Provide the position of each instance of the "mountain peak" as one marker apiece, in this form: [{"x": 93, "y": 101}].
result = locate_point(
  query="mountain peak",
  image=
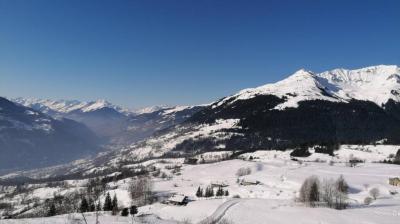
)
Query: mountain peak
[
  {"x": 303, "y": 72},
  {"x": 375, "y": 83},
  {"x": 298, "y": 76},
  {"x": 95, "y": 105},
  {"x": 300, "y": 86}
]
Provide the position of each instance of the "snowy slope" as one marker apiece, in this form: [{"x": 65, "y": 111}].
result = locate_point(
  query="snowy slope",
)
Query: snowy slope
[
  {"x": 376, "y": 83},
  {"x": 150, "y": 109},
  {"x": 271, "y": 201},
  {"x": 301, "y": 86}
]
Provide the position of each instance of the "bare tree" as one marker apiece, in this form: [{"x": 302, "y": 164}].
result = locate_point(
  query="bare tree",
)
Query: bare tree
[
  {"x": 243, "y": 171},
  {"x": 374, "y": 192},
  {"x": 328, "y": 192},
  {"x": 367, "y": 200},
  {"x": 140, "y": 190},
  {"x": 309, "y": 191},
  {"x": 341, "y": 193},
  {"x": 341, "y": 185}
]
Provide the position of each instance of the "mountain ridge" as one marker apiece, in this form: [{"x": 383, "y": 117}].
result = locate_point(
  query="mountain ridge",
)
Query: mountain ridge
[{"x": 334, "y": 85}]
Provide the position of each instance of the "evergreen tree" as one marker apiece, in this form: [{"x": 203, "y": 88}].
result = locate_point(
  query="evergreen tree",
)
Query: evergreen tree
[
  {"x": 220, "y": 192},
  {"x": 199, "y": 192},
  {"x": 226, "y": 193},
  {"x": 107, "y": 203},
  {"x": 98, "y": 206},
  {"x": 92, "y": 206},
  {"x": 209, "y": 192},
  {"x": 52, "y": 210},
  {"x": 84, "y": 205},
  {"x": 133, "y": 210},
  {"x": 125, "y": 212},
  {"x": 114, "y": 205},
  {"x": 206, "y": 192}
]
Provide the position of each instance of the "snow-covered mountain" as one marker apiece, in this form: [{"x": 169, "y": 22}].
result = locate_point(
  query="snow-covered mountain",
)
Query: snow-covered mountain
[
  {"x": 103, "y": 118},
  {"x": 301, "y": 86},
  {"x": 377, "y": 84},
  {"x": 115, "y": 125},
  {"x": 53, "y": 107},
  {"x": 150, "y": 109},
  {"x": 305, "y": 108},
  {"x": 339, "y": 106},
  {"x": 29, "y": 138}
]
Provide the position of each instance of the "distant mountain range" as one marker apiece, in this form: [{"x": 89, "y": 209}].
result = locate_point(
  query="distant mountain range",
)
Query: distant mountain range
[
  {"x": 113, "y": 124},
  {"x": 334, "y": 107},
  {"x": 29, "y": 138},
  {"x": 37, "y": 133}
]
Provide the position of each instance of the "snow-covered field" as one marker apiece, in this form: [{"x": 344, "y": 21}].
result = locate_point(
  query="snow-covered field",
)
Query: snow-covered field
[{"x": 271, "y": 201}]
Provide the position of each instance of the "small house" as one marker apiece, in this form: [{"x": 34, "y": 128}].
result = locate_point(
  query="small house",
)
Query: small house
[
  {"x": 178, "y": 199},
  {"x": 246, "y": 182},
  {"x": 191, "y": 160},
  {"x": 394, "y": 181}
]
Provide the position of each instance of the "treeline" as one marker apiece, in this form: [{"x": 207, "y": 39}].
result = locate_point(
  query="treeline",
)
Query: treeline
[
  {"x": 312, "y": 123},
  {"x": 209, "y": 192}
]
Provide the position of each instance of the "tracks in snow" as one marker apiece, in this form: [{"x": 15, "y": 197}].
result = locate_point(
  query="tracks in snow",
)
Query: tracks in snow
[{"x": 220, "y": 212}]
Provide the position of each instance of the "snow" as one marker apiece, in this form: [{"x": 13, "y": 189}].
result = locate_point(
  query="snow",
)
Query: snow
[
  {"x": 271, "y": 201},
  {"x": 377, "y": 84},
  {"x": 177, "y": 198},
  {"x": 175, "y": 109},
  {"x": 280, "y": 178},
  {"x": 66, "y": 106},
  {"x": 43, "y": 124},
  {"x": 278, "y": 212},
  {"x": 300, "y": 86},
  {"x": 90, "y": 217},
  {"x": 45, "y": 193},
  {"x": 147, "y": 110},
  {"x": 159, "y": 145}
]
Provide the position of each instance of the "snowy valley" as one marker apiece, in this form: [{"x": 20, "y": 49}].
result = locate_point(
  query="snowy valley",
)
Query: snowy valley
[
  {"x": 312, "y": 148},
  {"x": 268, "y": 192}
]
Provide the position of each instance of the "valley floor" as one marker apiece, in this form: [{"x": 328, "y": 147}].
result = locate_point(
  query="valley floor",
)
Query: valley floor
[{"x": 271, "y": 201}]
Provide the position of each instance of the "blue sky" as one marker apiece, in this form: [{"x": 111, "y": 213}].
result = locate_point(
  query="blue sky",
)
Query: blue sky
[{"x": 142, "y": 53}]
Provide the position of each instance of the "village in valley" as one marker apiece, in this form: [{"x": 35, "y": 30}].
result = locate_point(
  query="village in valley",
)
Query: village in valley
[{"x": 213, "y": 186}]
